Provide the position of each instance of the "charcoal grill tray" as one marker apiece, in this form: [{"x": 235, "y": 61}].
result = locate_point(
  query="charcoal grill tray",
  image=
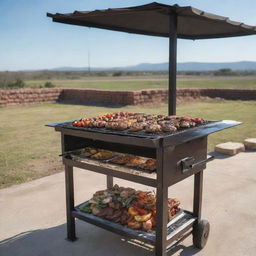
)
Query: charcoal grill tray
[{"x": 139, "y": 134}]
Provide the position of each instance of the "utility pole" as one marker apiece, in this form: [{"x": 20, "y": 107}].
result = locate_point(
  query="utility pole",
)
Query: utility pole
[{"x": 89, "y": 66}]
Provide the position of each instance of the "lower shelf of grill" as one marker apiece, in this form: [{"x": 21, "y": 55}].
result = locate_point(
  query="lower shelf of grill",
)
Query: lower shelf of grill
[
  {"x": 181, "y": 223},
  {"x": 145, "y": 178}
]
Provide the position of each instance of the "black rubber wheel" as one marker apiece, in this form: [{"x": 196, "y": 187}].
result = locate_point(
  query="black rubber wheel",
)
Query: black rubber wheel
[{"x": 201, "y": 232}]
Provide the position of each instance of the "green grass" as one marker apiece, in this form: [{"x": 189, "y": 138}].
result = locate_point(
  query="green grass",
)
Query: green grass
[
  {"x": 104, "y": 84},
  {"x": 237, "y": 83},
  {"x": 140, "y": 83},
  {"x": 26, "y": 144}
]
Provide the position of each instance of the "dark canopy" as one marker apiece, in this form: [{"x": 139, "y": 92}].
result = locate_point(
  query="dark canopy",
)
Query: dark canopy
[{"x": 153, "y": 19}]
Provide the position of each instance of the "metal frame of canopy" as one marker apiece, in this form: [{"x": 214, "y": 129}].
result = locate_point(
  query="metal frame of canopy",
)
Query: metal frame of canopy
[{"x": 203, "y": 26}]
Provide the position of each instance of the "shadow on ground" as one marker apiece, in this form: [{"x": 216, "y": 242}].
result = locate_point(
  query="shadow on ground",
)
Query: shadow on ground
[{"x": 92, "y": 241}]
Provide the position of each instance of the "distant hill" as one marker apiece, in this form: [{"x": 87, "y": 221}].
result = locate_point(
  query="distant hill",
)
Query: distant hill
[{"x": 183, "y": 66}]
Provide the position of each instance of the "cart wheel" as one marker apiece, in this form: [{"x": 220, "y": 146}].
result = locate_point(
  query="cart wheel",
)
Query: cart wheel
[{"x": 201, "y": 232}]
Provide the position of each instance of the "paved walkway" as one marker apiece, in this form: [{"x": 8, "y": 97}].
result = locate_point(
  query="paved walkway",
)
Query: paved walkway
[{"x": 32, "y": 215}]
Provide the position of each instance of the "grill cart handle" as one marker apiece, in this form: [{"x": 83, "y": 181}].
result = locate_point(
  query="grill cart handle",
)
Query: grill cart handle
[
  {"x": 67, "y": 154},
  {"x": 188, "y": 163}
]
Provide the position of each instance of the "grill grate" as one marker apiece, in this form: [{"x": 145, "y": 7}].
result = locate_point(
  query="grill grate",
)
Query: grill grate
[{"x": 139, "y": 134}]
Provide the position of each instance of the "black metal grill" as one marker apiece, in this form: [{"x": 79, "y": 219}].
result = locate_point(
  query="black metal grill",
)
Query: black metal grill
[{"x": 178, "y": 155}]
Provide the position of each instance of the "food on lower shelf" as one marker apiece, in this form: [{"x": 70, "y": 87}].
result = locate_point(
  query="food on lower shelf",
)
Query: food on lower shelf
[
  {"x": 122, "y": 159},
  {"x": 88, "y": 151},
  {"x": 135, "y": 161},
  {"x": 103, "y": 155},
  {"x": 126, "y": 206},
  {"x": 150, "y": 165},
  {"x": 173, "y": 205},
  {"x": 135, "y": 122},
  {"x": 129, "y": 160}
]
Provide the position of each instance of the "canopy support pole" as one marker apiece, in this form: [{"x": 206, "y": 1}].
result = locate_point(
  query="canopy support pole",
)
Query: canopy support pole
[{"x": 172, "y": 64}]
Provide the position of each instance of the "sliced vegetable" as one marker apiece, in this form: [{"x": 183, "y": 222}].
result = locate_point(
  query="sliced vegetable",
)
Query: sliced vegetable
[
  {"x": 78, "y": 124},
  {"x": 101, "y": 205},
  {"x": 107, "y": 200},
  {"x": 143, "y": 218},
  {"x": 132, "y": 211},
  {"x": 86, "y": 208},
  {"x": 140, "y": 210}
]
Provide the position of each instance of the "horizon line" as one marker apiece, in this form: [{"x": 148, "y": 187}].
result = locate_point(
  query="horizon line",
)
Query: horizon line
[{"x": 114, "y": 67}]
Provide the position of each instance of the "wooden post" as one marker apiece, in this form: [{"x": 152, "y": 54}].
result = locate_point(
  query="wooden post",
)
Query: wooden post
[{"x": 172, "y": 64}]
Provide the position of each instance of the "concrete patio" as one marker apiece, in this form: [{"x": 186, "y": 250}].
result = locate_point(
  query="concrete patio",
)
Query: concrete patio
[{"x": 32, "y": 216}]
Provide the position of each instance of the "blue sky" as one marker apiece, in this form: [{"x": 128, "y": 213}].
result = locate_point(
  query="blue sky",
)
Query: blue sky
[{"x": 30, "y": 40}]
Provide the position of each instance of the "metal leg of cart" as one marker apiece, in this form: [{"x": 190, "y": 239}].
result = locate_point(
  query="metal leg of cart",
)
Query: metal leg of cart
[
  {"x": 69, "y": 183},
  {"x": 161, "y": 206},
  {"x": 201, "y": 228},
  {"x": 198, "y": 191},
  {"x": 109, "y": 181}
]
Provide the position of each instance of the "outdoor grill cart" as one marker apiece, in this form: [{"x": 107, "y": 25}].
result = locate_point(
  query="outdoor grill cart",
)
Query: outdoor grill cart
[{"x": 179, "y": 154}]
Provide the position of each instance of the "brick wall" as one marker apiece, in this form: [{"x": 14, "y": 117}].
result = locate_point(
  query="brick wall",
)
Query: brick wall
[
  {"x": 104, "y": 97},
  {"x": 28, "y": 96},
  {"x": 228, "y": 94},
  {"x": 149, "y": 96},
  {"x": 97, "y": 97}
]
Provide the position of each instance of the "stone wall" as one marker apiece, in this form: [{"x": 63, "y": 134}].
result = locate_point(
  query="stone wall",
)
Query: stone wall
[
  {"x": 228, "y": 94},
  {"x": 29, "y": 96},
  {"x": 97, "y": 97},
  {"x": 107, "y": 98}
]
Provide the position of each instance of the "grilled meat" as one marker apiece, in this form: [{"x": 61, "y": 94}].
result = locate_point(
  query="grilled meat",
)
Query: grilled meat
[
  {"x": 184, "y": 124},
  {"x": 135, "y": 127},
  {"x": 103, "y": 155},
  {"x": 122, "y": 159},
  {"x": 135, "y": 161},
  {"x": 135, "y": 122},
  {"x": 168, "y": 127},
  {"x": 150, "y": 165},
  {"x": 152, "y": 128}
]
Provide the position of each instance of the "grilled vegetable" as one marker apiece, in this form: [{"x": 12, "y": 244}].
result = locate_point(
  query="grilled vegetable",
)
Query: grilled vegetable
[
  {"x": 140, "y": 210},
  {"x": 86, "y": 208},
  {"x": 136, "y": 209},
  {"x": 143, "y": 218},
  {"x": 132, "y": 211}
]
